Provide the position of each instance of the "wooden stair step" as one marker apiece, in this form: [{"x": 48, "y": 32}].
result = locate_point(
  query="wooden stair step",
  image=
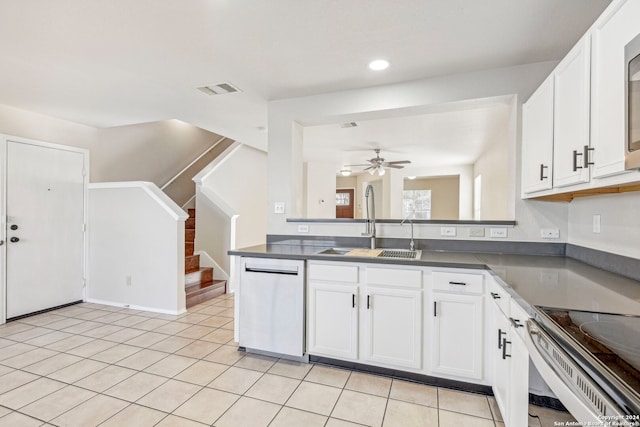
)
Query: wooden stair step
[
  {"x": 191, "y": 212},
  {"x": 188, "y": 249},
  {"x": 190, "y": 235},
  {"x": 202, "y": 292},
  {"x": 190, "y": 223},
  {"x": 202, "y": 275},
  {"x": 191, "y": 263}
]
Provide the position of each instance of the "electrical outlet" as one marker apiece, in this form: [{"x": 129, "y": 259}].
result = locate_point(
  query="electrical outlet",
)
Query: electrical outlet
[
  {"x": 278, "y": 207},
  {"x": 128, "y": 280},
  {"x": 303, "y": 229},
  {"x": 498, "y": 232},
  {"x": 448, "y": 231},
  {"x": 550, "y": 233},
  {"x": 596, "y": 223},
  {"x": 476, "y": 232}
]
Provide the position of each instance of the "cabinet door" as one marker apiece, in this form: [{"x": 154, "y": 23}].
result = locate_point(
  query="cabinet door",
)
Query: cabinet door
[
  {"x": 457, "y": 335},
  {"x": 394, "y": 326},
  {"x": 537, "y": 139},
  {"x": 333, "y": 320},
  {"x": 611, "y": 33},
  {"x": 571, "y": 116},
  {"x": 501, "y": 363},
  {"x": 518, "y": 395}
]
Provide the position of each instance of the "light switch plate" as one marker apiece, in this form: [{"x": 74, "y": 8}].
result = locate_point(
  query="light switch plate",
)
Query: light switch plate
[
  {"x": 303, "y": 228},
  {"x": 550, "y": 233},
  {"x": 278, "y": 207},
  {"x": 448, "y": 231},
  {"x": 596, "y": 223},
  {"x": 498, "y": 232},
  {"x": 476, "y": 232}
]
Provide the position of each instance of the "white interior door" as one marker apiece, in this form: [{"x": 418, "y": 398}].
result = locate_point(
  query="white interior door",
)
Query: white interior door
[{"x": 45, "y": 227}]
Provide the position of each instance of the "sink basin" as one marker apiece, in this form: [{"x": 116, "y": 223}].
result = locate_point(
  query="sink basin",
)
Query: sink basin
[
  {"x": 386, "y": 253},
  {"x": 335, "y": 251},
  {"x": 401, "y": 254}
]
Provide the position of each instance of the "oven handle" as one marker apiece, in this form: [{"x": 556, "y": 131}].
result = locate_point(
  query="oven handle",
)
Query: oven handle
[{"x": 536, "y": 333}]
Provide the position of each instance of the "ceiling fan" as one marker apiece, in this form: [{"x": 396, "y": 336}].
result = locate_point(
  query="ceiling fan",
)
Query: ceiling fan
[{"x": 378, "y": 164}]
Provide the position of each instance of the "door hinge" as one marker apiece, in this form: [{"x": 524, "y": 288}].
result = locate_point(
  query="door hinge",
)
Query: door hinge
[{"x": 84, "y": 282}]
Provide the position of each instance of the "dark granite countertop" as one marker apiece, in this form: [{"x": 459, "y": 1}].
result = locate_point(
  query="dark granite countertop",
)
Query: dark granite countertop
[{"x": 553, "y": 281}]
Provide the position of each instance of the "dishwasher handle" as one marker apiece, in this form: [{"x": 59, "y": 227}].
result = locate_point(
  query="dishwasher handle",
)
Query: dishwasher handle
[{"x": 267, "y": 270}]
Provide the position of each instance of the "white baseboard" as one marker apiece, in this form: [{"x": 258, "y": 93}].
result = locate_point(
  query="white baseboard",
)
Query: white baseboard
[{"x": 137, "y": 307}]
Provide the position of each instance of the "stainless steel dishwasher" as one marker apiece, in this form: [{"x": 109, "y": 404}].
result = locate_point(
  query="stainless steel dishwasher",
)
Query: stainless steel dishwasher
[{"x": 271, "y": 306}]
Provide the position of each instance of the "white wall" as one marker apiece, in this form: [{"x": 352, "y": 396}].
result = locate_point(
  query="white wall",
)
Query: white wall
[
  {"x": 619, "y": 230},
  {"x": 495, "y": 181},
  {"x": 135, "y": 231},
  {"x": 320, "y": 190},
  {"x": 285, "y": 160},
  {"x": 233, "y": 185}
]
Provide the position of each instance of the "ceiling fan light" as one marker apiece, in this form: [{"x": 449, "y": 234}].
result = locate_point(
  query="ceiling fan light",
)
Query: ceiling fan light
[
  {"x": 381, "y": 171},
  {"x": 372, "y": 171},
  {"x": 345, "y": 172},
  {"x": 411, "y": 177}
]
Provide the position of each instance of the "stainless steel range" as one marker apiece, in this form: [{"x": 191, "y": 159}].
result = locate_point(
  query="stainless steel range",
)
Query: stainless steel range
[{"x": 591, "y": 361}]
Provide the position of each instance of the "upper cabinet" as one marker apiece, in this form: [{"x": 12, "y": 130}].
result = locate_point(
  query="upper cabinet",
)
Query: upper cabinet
[
  {"x": 571, "y": 150},
  {"x": 573, "y": 126},
  {"x": 610, "y": 34},
  {"x": 537, "y": 139}
]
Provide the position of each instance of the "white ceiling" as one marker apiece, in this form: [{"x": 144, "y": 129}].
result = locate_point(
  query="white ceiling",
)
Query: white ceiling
[{"x": 116, "y": 62}]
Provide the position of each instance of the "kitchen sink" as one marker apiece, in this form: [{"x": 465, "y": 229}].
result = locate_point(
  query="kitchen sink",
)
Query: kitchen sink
[
  {"x": 401, "y": 254},
  {"x": 385, "y": 253},
  {"x": 335, "y": 251}
]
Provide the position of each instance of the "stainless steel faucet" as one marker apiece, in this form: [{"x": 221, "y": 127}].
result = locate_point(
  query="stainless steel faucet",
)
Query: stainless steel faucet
[
  {"x": 412, "y": 244},
  {"x": 370, "y": 230}
]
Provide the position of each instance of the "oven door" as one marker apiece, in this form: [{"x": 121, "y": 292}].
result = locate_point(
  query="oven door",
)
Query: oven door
[{"x": 586, "y": 401}]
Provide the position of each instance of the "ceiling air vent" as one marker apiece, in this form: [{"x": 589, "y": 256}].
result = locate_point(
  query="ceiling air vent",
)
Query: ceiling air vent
[
  {"x": 218, "y": 89},
  {"x": 348, "y": 125}
]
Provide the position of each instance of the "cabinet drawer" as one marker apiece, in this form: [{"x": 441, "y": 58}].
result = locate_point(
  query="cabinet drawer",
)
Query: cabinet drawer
[
  {"x": 458, "y": 282},
  {"x": 394, "y": 277},
  {"x": 333, "y": 273}
]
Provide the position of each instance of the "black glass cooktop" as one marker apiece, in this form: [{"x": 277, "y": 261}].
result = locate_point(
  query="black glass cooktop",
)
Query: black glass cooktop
[{"x": 613, "y": 339}]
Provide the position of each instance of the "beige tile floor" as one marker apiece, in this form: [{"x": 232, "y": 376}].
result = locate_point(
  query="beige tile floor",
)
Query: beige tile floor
[{"x": 89, "y": 365}]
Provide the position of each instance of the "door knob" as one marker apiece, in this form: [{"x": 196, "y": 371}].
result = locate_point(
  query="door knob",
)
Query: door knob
[
  {"x": 14, "y": 239},
  {"x": 14, "y": 227}
]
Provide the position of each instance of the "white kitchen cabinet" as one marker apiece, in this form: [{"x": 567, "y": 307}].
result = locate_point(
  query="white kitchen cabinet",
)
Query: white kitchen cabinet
[
  {"x": 332, "y": 320},
  {"x": 332, "y": 309},
  {"x": 537, "y": 139},
  {"x": 457, "y": 343},
  {"x": 571, "y": 152},
  {"x": 393, "y": 331},
  {"x": 511, "y": 360},
  {"x": 611, "y": 32}
]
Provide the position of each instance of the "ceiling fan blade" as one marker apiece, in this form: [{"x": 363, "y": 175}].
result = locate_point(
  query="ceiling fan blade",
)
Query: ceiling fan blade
[
  {"x": 399, "y": 162},
  {"x": 370, "y": 167},
  {"x": 367, "y": 164},
  {"x": 394, "y": 166}
]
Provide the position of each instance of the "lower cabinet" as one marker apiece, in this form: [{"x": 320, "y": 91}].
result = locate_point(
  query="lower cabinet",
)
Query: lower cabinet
[
  {"x": 332, "y": 320},
  {"x": 349, "y": 320},
  {"x": 511, "y": 367},
  {"x": 393, "y": 328},
  {"x": 458, "y": 340}
]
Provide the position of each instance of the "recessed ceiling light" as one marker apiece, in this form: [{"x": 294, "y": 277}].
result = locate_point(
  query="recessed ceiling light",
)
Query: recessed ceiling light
[
  {"x": 411, "y": 177},
  {"x": 345, "y": 172},
  {"x": 379, "y": 64}
]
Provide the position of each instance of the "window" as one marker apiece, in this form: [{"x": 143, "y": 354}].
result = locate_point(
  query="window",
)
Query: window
[
  {"x": 416, "y": 204},
  {"x": 343, "y": 199}
]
